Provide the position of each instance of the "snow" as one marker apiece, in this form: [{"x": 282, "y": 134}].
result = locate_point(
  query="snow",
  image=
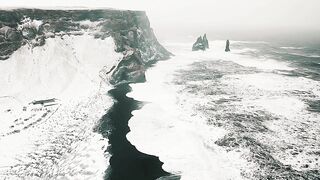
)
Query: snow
[
  {"x": 28, "y": 23},
  {"x": 88, "y": 23},
  {"x": 293, "y": 48},
  {"x": 55, "y": 141},
  {"x": 64, "y": 68}
]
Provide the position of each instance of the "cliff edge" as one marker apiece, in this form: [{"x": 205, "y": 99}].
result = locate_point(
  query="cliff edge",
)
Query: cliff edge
[{"x": 131, "y": 31}]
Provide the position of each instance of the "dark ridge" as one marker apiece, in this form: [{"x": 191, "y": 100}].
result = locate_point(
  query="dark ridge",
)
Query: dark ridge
[{"x": 126, "y": 162}]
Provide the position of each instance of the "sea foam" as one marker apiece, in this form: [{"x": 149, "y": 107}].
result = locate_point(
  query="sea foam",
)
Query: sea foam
[{"x": 173, "y": 124}]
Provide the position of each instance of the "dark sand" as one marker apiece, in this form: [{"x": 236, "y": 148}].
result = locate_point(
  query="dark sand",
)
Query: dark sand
[{"x": 126, "y": 162}]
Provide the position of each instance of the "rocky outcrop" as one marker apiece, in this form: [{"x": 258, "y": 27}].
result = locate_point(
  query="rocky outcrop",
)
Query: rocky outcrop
[
  {"x": 205, "y": 41},
  {"x": 10, "y": 40},
  {"x": 198, "y": 45},
  {"x": 227, "y": 46},
  {"x": 201, "y": 44},
  {"x": 130, "y": 30},
  {"x": 131, "y": 69}
]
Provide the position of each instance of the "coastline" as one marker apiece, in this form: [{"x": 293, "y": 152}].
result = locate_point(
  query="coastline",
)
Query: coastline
[{"x": 126, "y": 161}]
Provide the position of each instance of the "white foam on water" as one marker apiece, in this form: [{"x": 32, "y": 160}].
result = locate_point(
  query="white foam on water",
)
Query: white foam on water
[
  {"x": 170, "y": 127},
  {"x": 306, "y": 55},
  {"x": 216, "y": 51},
  {"x": 274, "y": 82},
  {"x": 294, "y": 48},
  {"x": 250, "y": 42},
  {"x": 288, "y": 107},
  {"x": 178, "y": 135},
  {"x": 264, "y": 63},
  {"x": 291, "y": 125}
]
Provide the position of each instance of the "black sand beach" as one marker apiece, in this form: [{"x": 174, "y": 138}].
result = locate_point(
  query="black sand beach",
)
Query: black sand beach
[{"x": 126, "y": 161}]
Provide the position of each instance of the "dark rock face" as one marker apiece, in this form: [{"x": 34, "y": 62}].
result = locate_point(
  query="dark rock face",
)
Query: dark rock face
[
  {"x": 198, "y": 45},
  {"x": 201, "y": 44},
  {"x": 205, "y": 41},
  {"x": 13, "y": 35},
  {"x": 10, "y": 40},
  {"x": 227, "y": 46},
  {"x": 130, "y": 69},
  {"x": 130, "y": 30}
]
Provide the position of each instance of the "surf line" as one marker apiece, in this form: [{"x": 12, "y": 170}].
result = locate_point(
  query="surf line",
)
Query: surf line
[{"x": 126, "y": 162}]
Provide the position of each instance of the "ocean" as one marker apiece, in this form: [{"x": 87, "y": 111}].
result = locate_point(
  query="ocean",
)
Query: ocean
[{"x": 252, "y": 113}]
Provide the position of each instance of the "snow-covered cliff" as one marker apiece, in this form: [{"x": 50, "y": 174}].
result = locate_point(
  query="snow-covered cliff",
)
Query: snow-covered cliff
[
  {"x": 130, "y": 31},
  {"x": 66, "y": 53},
  {"x": 55, "y": 69}
]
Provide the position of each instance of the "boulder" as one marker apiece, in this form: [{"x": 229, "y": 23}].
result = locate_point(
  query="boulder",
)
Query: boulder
[{"x": 227, "y": 46}]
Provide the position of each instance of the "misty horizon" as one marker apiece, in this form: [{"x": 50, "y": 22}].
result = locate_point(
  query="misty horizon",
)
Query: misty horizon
[
  {"x": 279, "y": 36},
  {"x": 282, "y": 20}
]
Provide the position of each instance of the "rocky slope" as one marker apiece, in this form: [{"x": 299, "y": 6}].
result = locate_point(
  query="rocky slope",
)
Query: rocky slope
[{"x": 130, "y": 30}]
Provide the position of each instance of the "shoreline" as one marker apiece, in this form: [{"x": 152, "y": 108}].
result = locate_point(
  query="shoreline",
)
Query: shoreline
[{"x": 126, "y": 161}]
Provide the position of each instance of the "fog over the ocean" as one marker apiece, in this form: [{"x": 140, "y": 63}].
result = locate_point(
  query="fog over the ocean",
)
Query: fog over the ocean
[{"x": 234, "y": 19}]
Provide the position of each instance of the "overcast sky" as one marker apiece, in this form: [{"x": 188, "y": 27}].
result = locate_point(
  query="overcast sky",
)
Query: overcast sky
[{"x": 220, "y": 17}]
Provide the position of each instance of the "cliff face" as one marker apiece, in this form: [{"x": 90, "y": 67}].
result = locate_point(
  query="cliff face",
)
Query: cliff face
[{"x": 130, "y": 30}]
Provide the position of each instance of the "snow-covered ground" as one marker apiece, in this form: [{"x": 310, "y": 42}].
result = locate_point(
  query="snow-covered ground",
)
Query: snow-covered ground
[{"x": 55, "y": 141}]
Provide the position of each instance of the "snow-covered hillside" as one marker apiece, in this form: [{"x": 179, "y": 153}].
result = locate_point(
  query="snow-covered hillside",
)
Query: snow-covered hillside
[
  {"x": 65, "y": 69},
  {"x": 55, "y": 71}
]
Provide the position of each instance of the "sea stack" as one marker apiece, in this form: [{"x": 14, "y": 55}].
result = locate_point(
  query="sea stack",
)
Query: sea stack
[
  {"x": 201, "y": 44},
  {"x": 227, "y": 46},
  {"x": 205, "y": 41}
]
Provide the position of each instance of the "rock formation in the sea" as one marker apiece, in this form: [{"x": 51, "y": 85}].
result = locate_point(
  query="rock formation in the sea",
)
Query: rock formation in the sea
[
  {"x": 131, "y": 31},
  {"x": 201, "y": 44},
  {"x": 205, "y": 41},
  {"x": 227, "y": 46},
  {"x": 198, "y": 45}
]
